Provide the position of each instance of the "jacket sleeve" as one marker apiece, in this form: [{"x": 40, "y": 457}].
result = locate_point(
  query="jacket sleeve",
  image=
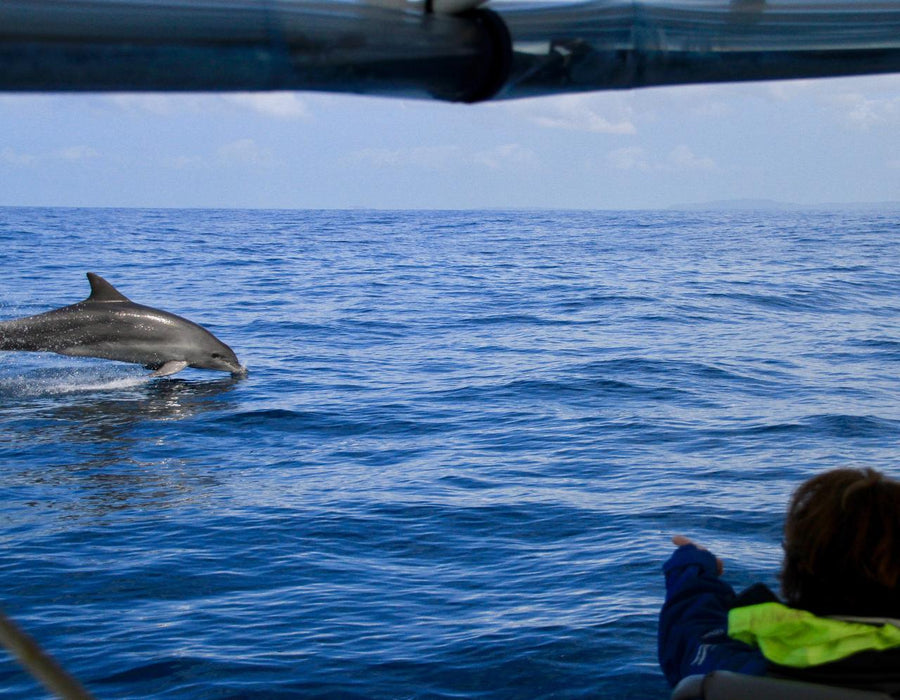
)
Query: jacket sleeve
[{"x": 693, "y": 623}]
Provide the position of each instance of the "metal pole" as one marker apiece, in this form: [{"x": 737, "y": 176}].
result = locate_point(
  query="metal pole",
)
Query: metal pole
[{"x": 38, "y": 663}]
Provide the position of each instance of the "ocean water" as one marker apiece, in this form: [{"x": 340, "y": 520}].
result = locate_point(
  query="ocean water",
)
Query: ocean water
[{"x": 463, "y": 445}]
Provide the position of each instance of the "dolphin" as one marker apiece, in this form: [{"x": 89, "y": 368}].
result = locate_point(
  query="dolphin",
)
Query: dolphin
[{"x": 109, "y": 325}]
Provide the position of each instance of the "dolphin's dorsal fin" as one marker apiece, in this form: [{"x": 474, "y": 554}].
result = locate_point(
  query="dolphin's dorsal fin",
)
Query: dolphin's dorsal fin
[{"x": 101, "y": 290}]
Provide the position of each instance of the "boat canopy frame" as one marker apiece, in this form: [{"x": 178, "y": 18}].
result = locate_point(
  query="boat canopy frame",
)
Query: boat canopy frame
[{"x": 512, "y": 50}]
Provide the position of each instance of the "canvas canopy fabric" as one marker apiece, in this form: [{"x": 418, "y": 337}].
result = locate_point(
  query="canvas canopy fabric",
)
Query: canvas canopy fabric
[{"x": 508, "y": 50}]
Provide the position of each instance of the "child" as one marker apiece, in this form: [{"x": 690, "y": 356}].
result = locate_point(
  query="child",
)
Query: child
[{"x": 840, "y": 578}]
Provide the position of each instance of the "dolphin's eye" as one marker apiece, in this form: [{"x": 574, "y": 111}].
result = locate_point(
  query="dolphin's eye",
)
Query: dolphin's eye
[{"x": 217, "y": 356}]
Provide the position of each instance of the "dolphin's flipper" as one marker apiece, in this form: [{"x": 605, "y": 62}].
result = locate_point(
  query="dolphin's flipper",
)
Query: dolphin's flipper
[
  {"x": 101, "y": 290},
  {"x": 169, "y": 368}
]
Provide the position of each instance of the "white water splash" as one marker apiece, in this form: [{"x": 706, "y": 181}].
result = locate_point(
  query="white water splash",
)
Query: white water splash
[{"x": 59, "y": 381}]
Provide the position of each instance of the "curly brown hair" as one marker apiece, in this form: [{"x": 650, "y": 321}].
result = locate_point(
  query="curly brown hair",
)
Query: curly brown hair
[{"x": 842, "y": 545}]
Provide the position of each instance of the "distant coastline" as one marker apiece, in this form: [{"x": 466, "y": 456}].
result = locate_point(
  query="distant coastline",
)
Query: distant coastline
[
  {"x": 775, "y": 205},
  {"x": 734, "y": 205}
]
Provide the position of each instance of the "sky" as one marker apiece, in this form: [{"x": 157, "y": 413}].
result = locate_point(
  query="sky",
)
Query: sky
[{"x": 808, "y": 142}]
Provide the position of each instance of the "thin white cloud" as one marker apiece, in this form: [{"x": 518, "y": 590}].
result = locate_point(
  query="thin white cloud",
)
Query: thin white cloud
[
  {"x": 862, "y": 112},
  {"x": 510, "y": 155},
  {"x": 183, "y": 162},
  {"x": 281, "y": 105},
  {"x": 277, "y": 105},
  {"x": 245, "y": 152},
  {"x": 10, "y": 156},
  {"x": 599, "y": 114},
  {"x": 788, "y": 90},
  {"x": 423, "y": 157},
  {"x": 706, "y": 101},
  {"x": 861, "y": 103},
  {"x": 437, "y": 158},
  {"x": 21, "y": 101},
  {"x": 629, "y": 158},
  {"x": 824, "y": 89},
  {"x": 77, "y": 153},
  {"x": 69, "y": 154},
  {"x": 242, "y": 153},
  {"x": 157, "y": 104},
  {"x": 683, "y": 158},
  {"x": 680, "y": 159}
]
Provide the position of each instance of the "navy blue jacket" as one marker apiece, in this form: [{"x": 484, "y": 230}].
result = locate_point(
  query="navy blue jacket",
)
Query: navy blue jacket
[{"x": 693, "y": 623}]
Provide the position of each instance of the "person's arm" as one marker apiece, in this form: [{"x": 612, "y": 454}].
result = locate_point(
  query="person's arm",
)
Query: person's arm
[{"x": 693, "y": 623}]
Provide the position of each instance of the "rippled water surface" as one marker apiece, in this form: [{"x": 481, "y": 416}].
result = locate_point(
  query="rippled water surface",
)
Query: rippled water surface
[{"x": 461, "y": 450}]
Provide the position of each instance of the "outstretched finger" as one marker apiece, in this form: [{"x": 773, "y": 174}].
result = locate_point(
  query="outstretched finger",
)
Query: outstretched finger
[{"x": 681, "y": 540}]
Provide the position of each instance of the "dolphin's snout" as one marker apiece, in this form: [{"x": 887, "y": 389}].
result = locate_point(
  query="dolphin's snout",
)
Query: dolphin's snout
[{"x": 240, "y": 372}]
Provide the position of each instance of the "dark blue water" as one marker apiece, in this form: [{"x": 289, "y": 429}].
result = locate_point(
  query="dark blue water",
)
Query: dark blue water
[{"x": 464, "y": 442}]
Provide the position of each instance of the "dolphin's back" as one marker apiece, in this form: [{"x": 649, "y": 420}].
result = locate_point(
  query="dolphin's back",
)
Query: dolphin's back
[
  {"x": 65, "y": 327},
  {"x": 41, "y": 333},
  {"x": 122, "y": 331},
  {"x": 12, "y": 339}
]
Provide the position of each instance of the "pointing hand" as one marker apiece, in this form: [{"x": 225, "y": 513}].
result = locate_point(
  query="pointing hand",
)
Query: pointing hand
[{"x": 681, "y": 540}]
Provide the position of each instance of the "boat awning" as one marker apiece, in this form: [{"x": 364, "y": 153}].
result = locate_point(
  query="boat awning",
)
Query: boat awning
[{"x": 509, "y": 50}]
